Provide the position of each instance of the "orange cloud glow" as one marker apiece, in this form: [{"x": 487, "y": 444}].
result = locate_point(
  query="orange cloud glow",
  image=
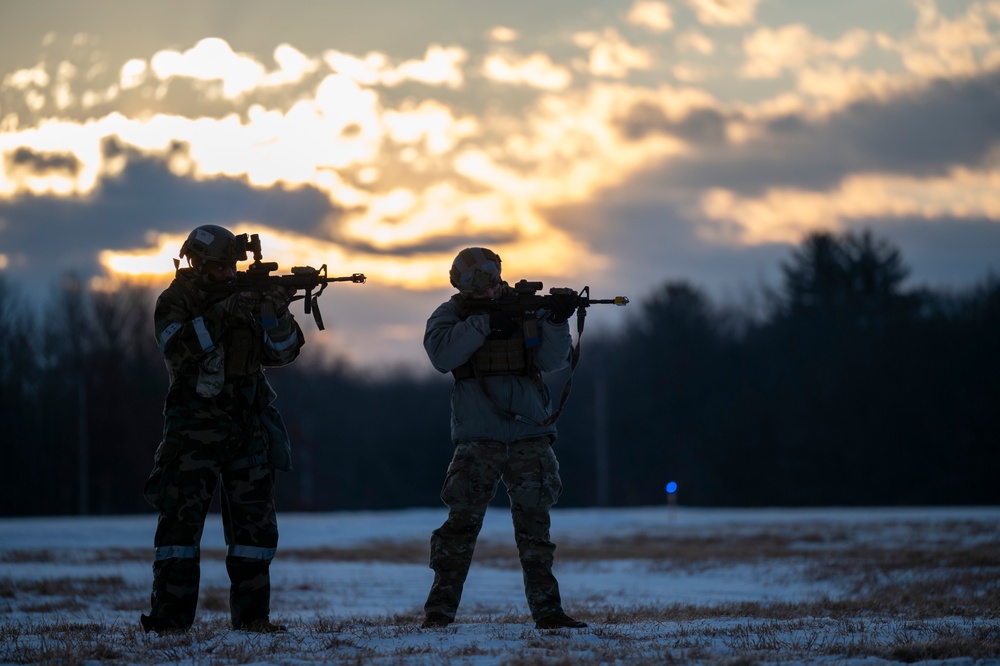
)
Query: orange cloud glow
[
  {"x": 651, "y": 14},
  {"x": 785, "y": 215},
  {"x": 536, "y": 70},
  {"x": 724, "y": 12}
]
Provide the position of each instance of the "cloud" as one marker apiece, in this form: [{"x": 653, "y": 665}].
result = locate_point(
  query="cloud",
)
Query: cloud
[
  {"x": 34, "y": 163},
  {"x": 364, "y": 71},
  {"x": 689, "y": 73},
  {"x": 833, "y": 86},
  {"x": 652, "y": 15},
  {"x": 906, "y": 133},
  {"x": 695, "y": 41},
  {"x": 431, "y": 124},
  {"x": 610, "y": 55},
  {"x": 213, "y": 60},
  {"x": 503, "y": 34},
  {"x": 210, "y": 59},
  {"x": 338, "y": 128},
  {"x": 133, "y": 73},
  {"x": 902, "y": 135},
  {"x": 940, "y": 46},
  {"x": 786, "y": 215},
  {"x": 31, "y": 77},
  {"x": 790, "y": 48},
  {"x": 43, "y": 162},
  {"x": 31, "y": 83},
  {"x": 293, "y": 66},
  {"x": 62, "y": 233},
  {"x": 536, "y": 70},
  {"x": 724, "y": 12},
  {"x": 697, "y": 126},
  {"x": 569, "y": 146},
  {"x": 441, "y": 66},
  {"x": 62, "y": 93}
]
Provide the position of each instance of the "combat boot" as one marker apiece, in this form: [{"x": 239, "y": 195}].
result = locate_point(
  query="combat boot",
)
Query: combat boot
[
  {"x": 160, "y": 627},
  {"x": 435, "y": 620},
  {"x": 559, "y": 621},
  {"x": 263, "y": 626}
]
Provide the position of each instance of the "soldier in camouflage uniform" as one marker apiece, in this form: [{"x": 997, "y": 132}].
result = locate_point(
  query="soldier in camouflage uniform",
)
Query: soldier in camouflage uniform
[
  {"x": 498, "y": 427},
  {"x": 219, "y": 424}
]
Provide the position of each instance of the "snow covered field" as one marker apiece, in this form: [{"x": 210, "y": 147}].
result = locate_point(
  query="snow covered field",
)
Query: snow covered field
[{"x": 689, "y": 584}]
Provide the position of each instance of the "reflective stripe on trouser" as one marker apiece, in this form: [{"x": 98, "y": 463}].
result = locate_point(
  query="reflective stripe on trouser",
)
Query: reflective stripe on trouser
[
  {"x": 181, "y": 486},
  {"x": 530, "y": 473},
  {"x": 251, "y": 548}
]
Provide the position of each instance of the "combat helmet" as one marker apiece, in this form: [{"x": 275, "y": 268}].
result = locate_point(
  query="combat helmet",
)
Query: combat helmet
[
  {"x": 475, "y": 269},
  {"x": 210, "y": 242}
]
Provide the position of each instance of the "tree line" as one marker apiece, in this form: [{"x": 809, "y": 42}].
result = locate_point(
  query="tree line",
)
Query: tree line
[{"x": 840, "y": 386}]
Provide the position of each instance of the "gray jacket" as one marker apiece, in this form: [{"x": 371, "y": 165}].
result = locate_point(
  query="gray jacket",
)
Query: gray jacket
[{"x": 450, "y": 342}]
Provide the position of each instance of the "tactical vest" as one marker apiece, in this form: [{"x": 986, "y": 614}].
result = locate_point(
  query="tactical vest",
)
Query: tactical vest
[{"x": 503, "y": 356}]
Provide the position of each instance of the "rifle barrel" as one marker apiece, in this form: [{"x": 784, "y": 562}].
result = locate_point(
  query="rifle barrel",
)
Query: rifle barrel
[
  {"x": 617, "y": 300},
  {"x": 357, "y": 278}
]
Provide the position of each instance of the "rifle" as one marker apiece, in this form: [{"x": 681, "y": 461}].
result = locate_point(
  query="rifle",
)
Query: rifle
[
  {"x": 257, "y": 278},
  {"x": 524, "y": 299}
]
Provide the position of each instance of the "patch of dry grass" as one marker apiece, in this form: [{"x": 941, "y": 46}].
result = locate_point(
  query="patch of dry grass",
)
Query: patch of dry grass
[
  {"x": 903, "y": 592},
  {"x": 634, "y": 636}
]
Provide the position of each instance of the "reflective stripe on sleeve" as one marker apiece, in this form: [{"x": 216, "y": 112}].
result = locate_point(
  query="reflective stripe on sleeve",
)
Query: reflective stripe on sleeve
[
  {"x": 279, "y": 346},
  {"x": 168, "y": 333},
  {"x": 204, "y": 339},
  {"x": 180, "y": 552},
  {"x": 252, "y": 552}
]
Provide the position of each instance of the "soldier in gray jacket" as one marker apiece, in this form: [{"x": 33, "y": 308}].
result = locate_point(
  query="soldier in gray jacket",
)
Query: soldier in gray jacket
[{"x": 500, "y": 429}]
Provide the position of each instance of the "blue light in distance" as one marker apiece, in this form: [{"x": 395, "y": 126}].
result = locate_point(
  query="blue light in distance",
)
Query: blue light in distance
[{"x": 671, "y": 487}]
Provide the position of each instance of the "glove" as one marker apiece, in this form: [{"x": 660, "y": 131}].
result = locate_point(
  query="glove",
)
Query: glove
[
  {"x": 279, "y": 297},
  {"x": 561, "y": 310},
  {"x": 274, "y": 305},
  {"x": 502, "y": 323},
  {"x": 242, "y": 305}
]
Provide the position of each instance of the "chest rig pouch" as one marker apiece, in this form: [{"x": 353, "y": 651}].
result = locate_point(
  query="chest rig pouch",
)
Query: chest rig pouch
[
  {"x": 512, "y": 355},
  {"x": 244, "y": 348}
]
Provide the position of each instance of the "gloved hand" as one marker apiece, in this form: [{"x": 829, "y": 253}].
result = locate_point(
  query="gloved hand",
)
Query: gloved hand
[
  {"x": 502, "y": 323},
  {"x": 279, "y": 297},
  {"x": 561, "y": 309},
  {"x": 274, "y": 305},
  {"x": 243, "y": 305}
]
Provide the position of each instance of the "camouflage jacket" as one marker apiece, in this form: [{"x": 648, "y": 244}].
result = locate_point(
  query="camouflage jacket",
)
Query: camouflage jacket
[
  {"x": 214, "y": 358},
  {"x": 450, "y": 340}
]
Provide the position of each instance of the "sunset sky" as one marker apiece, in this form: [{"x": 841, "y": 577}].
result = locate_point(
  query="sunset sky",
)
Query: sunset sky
[{"x": 616, "y": 144}]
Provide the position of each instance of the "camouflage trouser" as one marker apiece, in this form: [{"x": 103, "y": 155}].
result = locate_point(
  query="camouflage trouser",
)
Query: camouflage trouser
[
  {"x": 530, "y": 472},
  {"x": 187, "y": 468}
]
